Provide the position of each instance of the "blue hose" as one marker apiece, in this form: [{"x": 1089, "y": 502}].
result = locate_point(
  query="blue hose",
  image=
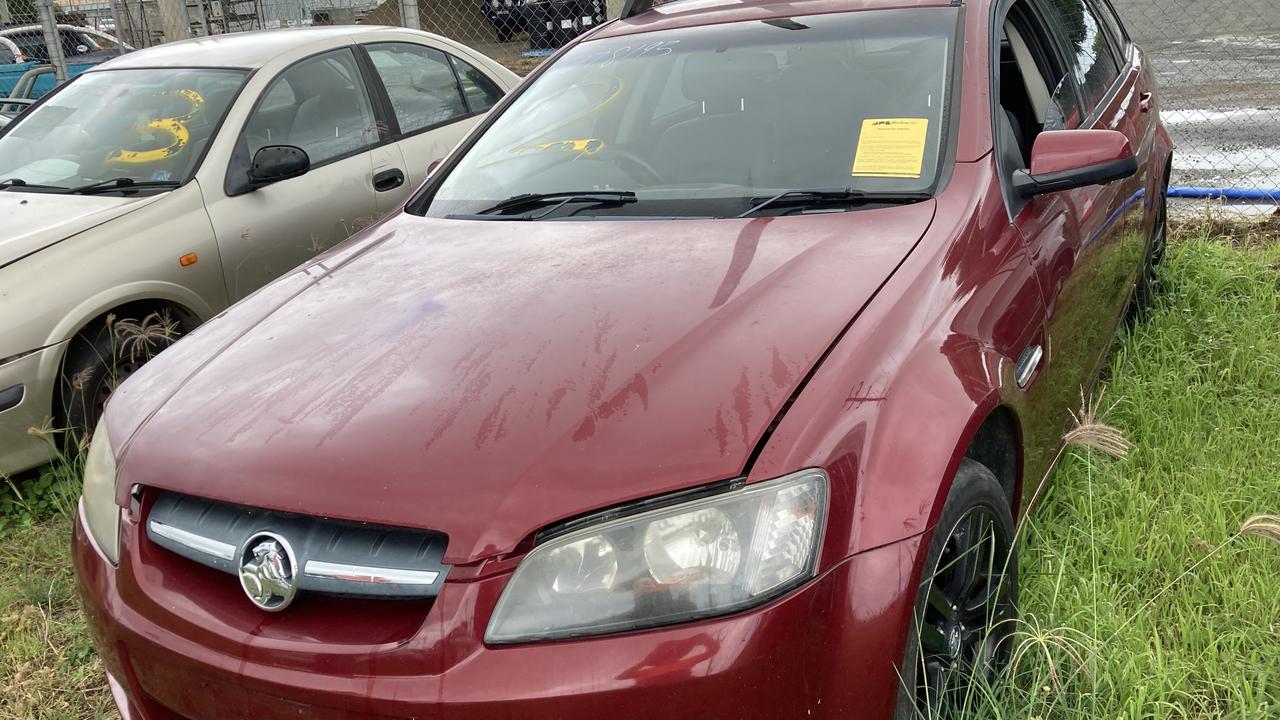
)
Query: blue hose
[{"x": 1264, "y": 194}]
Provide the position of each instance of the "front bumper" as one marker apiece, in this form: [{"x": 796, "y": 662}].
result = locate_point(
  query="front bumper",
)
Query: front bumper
[
  {"x": 37, "y": 375},
  {"x": 171, "y": 650}
]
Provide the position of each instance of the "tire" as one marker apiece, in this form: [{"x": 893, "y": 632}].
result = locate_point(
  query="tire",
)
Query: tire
[
  {"x": 101, "y": 357},
  {"x": 1145, "y": 294},
  {"x": 941, "y": 650}
]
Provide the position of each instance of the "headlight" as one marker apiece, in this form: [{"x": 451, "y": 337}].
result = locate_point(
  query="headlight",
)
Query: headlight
[
  {"x": 711, "y": 556},
  {"x": 98, "y": 501}
]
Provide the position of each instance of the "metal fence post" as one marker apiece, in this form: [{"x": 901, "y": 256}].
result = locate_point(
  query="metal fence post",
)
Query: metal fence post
[
  {"x": 51, "y": 40},
  {"x": 174, "y": 19},
  {"x": 409, "y": 14}
]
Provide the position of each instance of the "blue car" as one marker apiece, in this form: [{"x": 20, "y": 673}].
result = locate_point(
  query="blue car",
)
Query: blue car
[{"x": 23, "y": 48}]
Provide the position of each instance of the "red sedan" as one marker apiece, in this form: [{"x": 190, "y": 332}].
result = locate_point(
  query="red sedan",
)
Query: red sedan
[{"x": 709, "y": 373}]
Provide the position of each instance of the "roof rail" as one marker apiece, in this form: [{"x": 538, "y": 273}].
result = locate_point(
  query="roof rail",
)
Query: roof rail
[{"x": 634, "y": 7}]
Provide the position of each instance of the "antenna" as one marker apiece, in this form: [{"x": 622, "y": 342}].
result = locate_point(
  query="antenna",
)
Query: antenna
[{"x": 634, "y": 7}]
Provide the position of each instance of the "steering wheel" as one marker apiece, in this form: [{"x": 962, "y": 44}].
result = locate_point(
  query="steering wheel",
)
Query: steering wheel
[{"x": 626, "y": 157}]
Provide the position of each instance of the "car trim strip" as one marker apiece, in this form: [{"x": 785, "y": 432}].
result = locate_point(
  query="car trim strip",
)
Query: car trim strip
[
  {"x": 365, "y": 574},
  {"x": 199, "y": 543}
]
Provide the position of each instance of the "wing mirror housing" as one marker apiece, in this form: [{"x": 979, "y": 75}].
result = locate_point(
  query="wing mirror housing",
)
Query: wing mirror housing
[
  {"x": 1069, "y": 159},
  {"x": 274, "y": 163}
]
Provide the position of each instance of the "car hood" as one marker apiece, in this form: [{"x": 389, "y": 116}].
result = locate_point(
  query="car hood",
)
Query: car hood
[
  {"x": 486, "y": 379},
  {"x": 33, "y": 221}
]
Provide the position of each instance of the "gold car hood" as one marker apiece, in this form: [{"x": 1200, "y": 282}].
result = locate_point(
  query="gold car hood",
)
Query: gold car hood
[{"x": 32, "y": 221}]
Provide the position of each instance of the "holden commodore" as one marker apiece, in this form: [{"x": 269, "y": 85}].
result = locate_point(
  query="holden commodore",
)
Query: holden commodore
[{"x": 708, "y": 373}]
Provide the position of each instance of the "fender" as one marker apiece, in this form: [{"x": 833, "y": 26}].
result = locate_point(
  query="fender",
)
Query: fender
[
  {"x": 142, "y": 290},
  {"x": 893, "y": 409}
]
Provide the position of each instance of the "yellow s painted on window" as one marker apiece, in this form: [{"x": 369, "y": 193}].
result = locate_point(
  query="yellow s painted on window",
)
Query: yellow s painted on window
[{"x": 174, "y": 127}]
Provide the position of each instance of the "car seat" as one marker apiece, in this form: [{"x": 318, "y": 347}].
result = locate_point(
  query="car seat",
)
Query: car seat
[
  {"x": 724, "y": 142},
  {"x": 332, "y": 118}
]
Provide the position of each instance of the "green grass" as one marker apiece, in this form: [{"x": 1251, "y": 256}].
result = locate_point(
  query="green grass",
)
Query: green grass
[
  {"x": 1140, "y": 597},
  {"x": 48, "y": 669}
]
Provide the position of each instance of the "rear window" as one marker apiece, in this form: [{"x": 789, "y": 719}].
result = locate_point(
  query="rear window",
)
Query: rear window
[{"x": 699, "y": 121}]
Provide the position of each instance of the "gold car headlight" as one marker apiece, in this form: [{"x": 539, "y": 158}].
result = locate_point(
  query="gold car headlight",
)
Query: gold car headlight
[{"x": 98, "y": 498}]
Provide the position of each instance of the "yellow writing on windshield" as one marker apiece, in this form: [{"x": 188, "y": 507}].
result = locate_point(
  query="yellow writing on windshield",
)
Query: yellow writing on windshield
[
  {"x": 891, "y": 147},
  {"x": 590, "y": 146}
]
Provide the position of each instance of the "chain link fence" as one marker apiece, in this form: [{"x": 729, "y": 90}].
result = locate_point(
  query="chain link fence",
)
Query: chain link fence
[
  {"x": 1218, "y": 61},
  {"x": 1218, "y": 64},
  {"x": 518, "y": 33}
]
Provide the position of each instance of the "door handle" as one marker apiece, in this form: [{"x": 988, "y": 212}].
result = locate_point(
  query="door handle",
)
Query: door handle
[
  {"x": 1144, "y": 102},
  {"x": 388, "y": 179}
]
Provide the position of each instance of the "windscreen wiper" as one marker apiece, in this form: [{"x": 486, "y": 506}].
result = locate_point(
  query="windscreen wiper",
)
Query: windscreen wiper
[
  {"x": 19, "y": 182},
  {"x": 556, "y": 200},
  {"x": 823, "y": 196},
  {"x": 121, "y": 183}
]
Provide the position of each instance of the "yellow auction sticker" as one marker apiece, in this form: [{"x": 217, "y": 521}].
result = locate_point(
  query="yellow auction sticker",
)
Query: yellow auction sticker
[{"x": 891, "y": 147}]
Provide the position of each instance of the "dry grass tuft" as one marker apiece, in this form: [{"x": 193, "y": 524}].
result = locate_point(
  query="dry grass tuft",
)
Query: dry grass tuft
[
  {"x": 1263, "y": 526},
  {"x": 141, "y": 339},
  {"x": 1091, "y": 431}
]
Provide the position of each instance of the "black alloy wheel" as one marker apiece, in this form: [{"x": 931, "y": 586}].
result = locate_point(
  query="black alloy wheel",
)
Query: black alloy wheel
[
  {"x": 1147, "y": 284},
  {"x": 966, "y": 606}
]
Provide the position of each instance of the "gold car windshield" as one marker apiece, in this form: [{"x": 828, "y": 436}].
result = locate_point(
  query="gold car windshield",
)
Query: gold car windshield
[
  {"x": 710, "y": 120},
  {"x": 145, "y": 125}
]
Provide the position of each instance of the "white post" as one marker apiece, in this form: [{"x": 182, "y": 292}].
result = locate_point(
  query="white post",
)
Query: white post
[
  {"x": 5, "y": 18},
  {"x": 51, "y": 40},
  {"x": 409, "y": 14}
]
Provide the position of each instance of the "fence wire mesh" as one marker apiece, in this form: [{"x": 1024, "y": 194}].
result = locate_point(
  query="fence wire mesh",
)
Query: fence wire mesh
[
  {"x": 1218, "y": 64},
  {"x": 1218, "y": 61}
]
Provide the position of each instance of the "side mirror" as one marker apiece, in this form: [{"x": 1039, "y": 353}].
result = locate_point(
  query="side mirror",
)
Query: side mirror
[
  {"x": 274, "y": 163},
  {"x": 1068, "y": 159}
]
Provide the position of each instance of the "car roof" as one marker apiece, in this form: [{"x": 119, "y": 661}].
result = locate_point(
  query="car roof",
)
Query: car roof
[
  {"x": 689, "y": 13},
  {"x": 251, "y": 49}
]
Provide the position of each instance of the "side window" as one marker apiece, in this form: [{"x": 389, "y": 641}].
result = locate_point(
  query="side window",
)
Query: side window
[
  {"x": 1036, "y": 93},
  {"x": 422, "y": 87},
  {"x": 481, "y": 92},
  {"x": 1086, "y": 44},
  {"x": 32, "y": 45},
  {"x": 319, "y": 105},
  {"x": 1119, "y": 37}
]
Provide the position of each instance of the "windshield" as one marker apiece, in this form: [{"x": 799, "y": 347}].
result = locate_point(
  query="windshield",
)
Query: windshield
[
  {"x": 141, "y": 125},
  {"x": 702, "y": 121}
]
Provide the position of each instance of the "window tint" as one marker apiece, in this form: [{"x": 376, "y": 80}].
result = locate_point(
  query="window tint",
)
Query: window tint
[
  {"x": 319, "y": 105},
  {"x": 420, "y": 83},
  {"x": 480, "y": 90},
  {"x": 1085, "y": 43}
]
